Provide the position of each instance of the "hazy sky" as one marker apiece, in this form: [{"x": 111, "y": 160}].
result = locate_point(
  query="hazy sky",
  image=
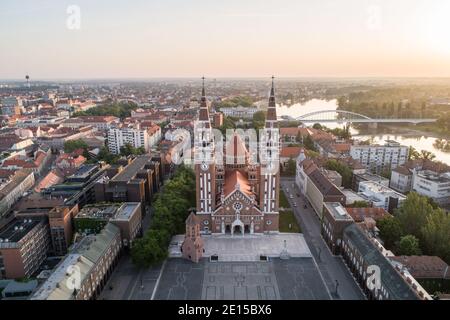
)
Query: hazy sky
[{"x": 224, "y": 38}]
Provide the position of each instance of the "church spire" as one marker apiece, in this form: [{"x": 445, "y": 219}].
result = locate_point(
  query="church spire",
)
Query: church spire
[
  {"x": 272, "y": 110},
  {"x": 204, "y": 112}
]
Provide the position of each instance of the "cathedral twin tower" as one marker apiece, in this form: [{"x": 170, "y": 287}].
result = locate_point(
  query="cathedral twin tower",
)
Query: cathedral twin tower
[{"x": 236, "y": 195}]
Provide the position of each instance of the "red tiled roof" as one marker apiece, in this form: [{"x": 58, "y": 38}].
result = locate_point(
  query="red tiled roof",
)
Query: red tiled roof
[
  {"x": 290, "y": 152},
  {"x": 422, "y": 267},
  {"x": 359, "y": 214},
  {"x": 236, "y": 178}
]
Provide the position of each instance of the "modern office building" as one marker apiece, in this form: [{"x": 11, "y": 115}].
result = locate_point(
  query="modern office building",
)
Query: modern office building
[
  {"x": 380, "y": 196},
  {"x": 136, "y": 181},
  {"x": 79, "y": 187},
  {"x": 23, "y": 247}
]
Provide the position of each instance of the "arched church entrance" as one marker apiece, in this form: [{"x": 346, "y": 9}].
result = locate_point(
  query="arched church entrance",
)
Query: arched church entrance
[{"x": 237, "y": 229}]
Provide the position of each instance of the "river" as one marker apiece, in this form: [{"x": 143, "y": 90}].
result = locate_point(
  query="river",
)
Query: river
[{"x": 419, "y": 140}]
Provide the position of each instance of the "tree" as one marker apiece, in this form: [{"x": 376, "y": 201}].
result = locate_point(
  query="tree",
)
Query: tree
[
  {"x": 413, "y": 212},
  {"x": 127, "y": 150},
  {"x": 170, "y": 210},
  {"x": 413, "y": 153},
  {"x": 72, "y": 145},
  {"x": 107, "y": 156},
  {"x": 309, "y": 143},
  {"x": 290, "y": 167},
  {"x": 390, "y": 230},
  {"x": 259, "y": 119},
  {"x": 436, "y": 235},
  {"x": 343, "y": 170},
  {"x": 427, "y": 155},
  {"x": 408, "y": 246},
  {"x": 317, "y": 126}
]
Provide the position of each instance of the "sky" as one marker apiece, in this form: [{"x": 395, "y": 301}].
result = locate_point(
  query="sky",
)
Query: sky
[{"x": 95, "y": 39}]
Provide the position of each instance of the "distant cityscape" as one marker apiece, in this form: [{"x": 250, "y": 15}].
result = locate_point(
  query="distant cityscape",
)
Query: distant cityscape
[{"x": 115, "y": 189}]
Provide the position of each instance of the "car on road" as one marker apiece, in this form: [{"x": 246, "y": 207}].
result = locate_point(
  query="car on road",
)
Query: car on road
[
  {"x": 295, "y": 204},
  {"x": 291, "y": 197}
]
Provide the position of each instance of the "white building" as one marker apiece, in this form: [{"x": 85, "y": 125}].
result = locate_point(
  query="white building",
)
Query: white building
[
  {"x": 378, "y": 158},
  {"x": 119, "y": 137},
  {"x": 380, "y": 196},
  {"x": 432, "y": 185},
  {"x": 401, "y": 179},
  {"x": 239, "y": 112},
  {"x": 300, "y": 175},
  {"x": 133, "y": 135}
]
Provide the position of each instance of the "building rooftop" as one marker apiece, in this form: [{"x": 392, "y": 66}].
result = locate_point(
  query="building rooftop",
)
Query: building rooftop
[
  {"x": 15, "y": 180},
  {"x": 84, "y": 257},
  {"x": 374, "y": 187},
  {"x": 325, "y": 186},
  {"x": 422, "y": 267},
  {"x": 114, "y": 211},
  {"x": 337, "y": 211},
  {"x": 130, "y": 170},
  {"x": 14, "y": 231},
  {"x": 392, "y": 281}
]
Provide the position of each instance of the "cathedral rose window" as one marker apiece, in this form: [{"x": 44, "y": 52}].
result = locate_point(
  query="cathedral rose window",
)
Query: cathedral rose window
[{"x": 237, "y": 206}]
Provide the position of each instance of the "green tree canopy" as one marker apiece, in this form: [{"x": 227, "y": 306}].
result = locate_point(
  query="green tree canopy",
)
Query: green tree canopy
[
  {"x": 390, "y": 230},
  {"x": 72, "y": 145},
  {"x": 343, "y": 170},
  {"x": 408, "y": 246},
  {"x": 413, "y": 213}
]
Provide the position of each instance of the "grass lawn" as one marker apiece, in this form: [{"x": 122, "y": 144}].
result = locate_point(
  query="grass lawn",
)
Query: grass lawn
[
  {"x": 287, "y": 217},
  {"x": 284, "y": 203}
]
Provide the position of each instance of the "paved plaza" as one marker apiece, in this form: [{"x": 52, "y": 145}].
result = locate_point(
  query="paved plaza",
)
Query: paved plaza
[
  {"x": 294, "y": 278},
  {"x": 248, "y": 247}
]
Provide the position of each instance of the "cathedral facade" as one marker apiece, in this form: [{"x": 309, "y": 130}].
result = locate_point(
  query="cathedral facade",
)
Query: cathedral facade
[{"x": 237, "y": 189}]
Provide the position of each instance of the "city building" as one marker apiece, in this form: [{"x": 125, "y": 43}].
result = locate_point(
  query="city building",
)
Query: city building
[
  {"x": 431, "y": 271},
  {"x": 133, "y": 135},
  {"x": 14, "y": 188},
  {"x": 11, "y": 106},
  {"x": 433, "y": 185},
  {"x": 93, "y": 258},
  {"x": 79, "y": 187},
  {"x": 401, "y": 179},
  {"x": 335, "y": 220},
  {"x": 377, "y": 158},
  {"x": 193, "y": 247},
  {"x": 61, "y": 228},
  {"x": 23, "y": 246},
  {"x": 380, "y": 196},
  {"x": 234, "y": 194},
  {"x": 136, "y": 181},
  {"x": 362, "y": 214},
  {"x": 239, "y": 112},
  {"x": 367, "y": 176},
  {"x": 101, "y": 123},
  {"x": 366, "y": 257},
  {"x": 319, "y": 189},
  {"x": 127, "y": 216}
]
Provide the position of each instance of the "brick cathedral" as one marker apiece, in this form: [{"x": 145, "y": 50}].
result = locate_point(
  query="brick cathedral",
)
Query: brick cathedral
[{"x": 237, "y": 190}]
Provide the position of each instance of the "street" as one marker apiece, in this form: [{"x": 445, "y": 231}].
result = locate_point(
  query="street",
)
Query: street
[
  {"x": 331, "y": 267},
  {"x": 127, "y": 281}
]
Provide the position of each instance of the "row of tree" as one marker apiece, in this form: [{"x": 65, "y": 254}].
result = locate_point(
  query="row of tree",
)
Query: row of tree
[
  {"x": 419, "y": 226},
  {"x": 170, "y": 210},
  {"x": 117, "y": 109}
]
